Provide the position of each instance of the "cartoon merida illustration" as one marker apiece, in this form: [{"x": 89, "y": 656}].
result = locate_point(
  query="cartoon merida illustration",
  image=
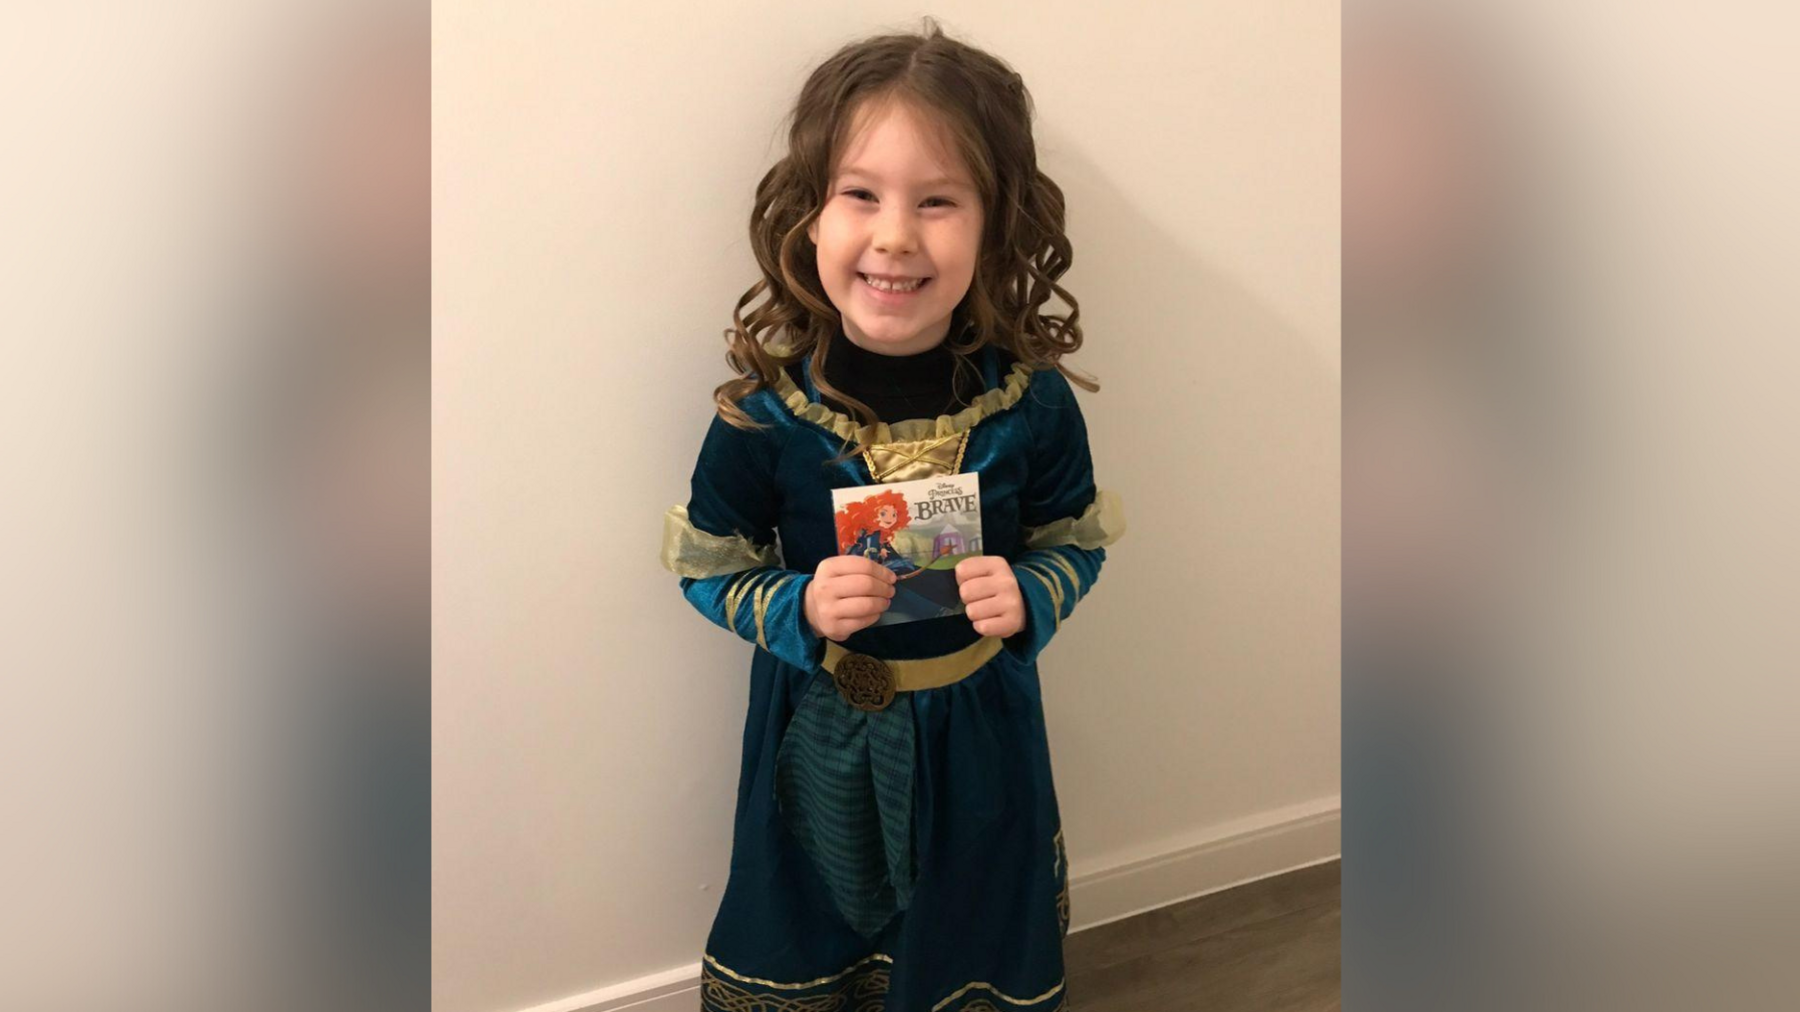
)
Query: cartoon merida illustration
[{"x": 866, "y": 528}]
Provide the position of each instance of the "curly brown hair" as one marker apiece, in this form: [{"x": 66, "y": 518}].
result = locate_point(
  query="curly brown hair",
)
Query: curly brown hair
[
  {"x": 859, "y": 516},
  {"x": 984, "y": 108}
]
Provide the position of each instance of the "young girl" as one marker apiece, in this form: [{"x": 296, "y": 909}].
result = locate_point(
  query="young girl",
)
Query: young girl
[{"x": 897, "y": 843}]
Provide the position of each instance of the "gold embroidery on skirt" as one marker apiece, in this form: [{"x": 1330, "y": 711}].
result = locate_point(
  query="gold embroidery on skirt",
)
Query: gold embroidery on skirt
[
  {"x": 1002, "y": 995},
  {"x": 1060, "y": 869},
  {"x": 857, "y": 989},
  {"x": 879, "y": 957}
]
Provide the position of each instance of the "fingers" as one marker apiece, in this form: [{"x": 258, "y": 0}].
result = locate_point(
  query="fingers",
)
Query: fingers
[
  {"x": 998, "y": 604},
  {"x": 981, "y": 566},
  {"x": 858, "y": 585},
  {"x": 860, "y": 608},
  {"x": 853, "y": 612},
  {"x": 853, "y": 565},
  {"x": 969, "y": 569},
  {"x": 990, "y": 593},
  {"x": 849, "y": 615},
  {"x": 1001, "y": 627},
  {"x": 984, "y": 587},
  {"x": 841, "y": 618},
  {"x": 991, "y": 607},
  {"x": 852, "y": 593},
  {"x": 980, "y": 589},
  {"x": 982, "y": 577}
]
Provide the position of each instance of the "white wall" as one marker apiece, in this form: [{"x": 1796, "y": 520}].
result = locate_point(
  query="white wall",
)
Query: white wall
[{"x": 594, "y": 165}]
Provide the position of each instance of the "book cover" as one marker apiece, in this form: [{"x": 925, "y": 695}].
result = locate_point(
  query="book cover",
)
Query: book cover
[{"x": 920, "y": 530}]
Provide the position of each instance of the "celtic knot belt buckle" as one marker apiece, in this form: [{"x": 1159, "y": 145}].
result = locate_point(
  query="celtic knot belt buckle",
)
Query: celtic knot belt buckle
[{"x": 865, "y": 682}]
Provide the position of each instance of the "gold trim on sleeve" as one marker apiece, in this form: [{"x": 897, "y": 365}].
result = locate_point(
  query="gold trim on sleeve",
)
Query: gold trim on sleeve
[
  {"x": 760, "y": 601},
  {"x": 689, "y": 551},
  {"x": 765, "y": 594},
  {"x": 1068, "y": 569},
  {"x": 1101, "y": 524},
  {"x": 1052, "y": 586},
  {"x": 737, "y": 591}
]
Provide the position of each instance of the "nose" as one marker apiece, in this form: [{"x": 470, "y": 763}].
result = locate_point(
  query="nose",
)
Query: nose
[{"x": 896, "y": 233}]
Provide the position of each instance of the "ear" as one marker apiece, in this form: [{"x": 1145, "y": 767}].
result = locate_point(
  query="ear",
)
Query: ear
[{"x": 812, "y": 230}]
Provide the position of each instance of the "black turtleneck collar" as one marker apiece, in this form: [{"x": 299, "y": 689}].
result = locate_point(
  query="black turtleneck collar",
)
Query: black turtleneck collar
[
  {"x": 856, "y": 369},
  {"x": 899, "y": 387}
]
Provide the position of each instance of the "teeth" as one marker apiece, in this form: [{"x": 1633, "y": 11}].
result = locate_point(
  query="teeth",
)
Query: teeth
[{"x": 893, "y": 286}]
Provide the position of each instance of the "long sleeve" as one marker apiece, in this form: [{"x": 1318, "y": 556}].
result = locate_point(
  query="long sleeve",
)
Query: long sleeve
[
  {"x": 1068, "y": 521},
  {"x": 722, "y": 546}
]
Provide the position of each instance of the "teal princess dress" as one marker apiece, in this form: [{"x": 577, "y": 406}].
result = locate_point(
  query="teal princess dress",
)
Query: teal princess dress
[{"x": 908, "y": 858}]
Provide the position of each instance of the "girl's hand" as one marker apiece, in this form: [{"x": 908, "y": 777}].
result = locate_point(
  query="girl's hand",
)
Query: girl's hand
[
  {"x": 991, "y": 593},
  {"x": 847, "y": 593}
]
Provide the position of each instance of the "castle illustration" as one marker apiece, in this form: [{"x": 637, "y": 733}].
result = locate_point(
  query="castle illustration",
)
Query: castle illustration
[{"x": 949, "y": 541}]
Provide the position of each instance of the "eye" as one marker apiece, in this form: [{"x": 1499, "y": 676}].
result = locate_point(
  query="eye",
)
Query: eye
[
  {"x": 857, "y": 193},
  {"x": 938, "y": 202}
]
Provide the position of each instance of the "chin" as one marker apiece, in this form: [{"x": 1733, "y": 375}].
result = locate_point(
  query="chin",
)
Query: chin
[{"x": 882, "y": 338}]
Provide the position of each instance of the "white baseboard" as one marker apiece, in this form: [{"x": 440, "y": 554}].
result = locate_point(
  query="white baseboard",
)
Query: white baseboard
[
  {"x": 676, "y": 990},
  {"x": 1123, "y": 885},
  {"x": 1220, "y": 858}
]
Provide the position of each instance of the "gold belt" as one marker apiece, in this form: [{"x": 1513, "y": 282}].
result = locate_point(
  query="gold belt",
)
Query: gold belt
[{"x": 869, "y": 683}]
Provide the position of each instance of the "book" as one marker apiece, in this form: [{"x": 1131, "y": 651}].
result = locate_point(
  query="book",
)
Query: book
[{"x": 920, "y": 530}]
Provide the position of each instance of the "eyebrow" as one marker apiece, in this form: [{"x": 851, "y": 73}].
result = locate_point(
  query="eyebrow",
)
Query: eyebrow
[{"x": 940, "y": 181}]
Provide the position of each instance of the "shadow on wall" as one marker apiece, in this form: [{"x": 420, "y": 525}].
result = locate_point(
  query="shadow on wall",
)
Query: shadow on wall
[{"x": 1218, "y": 422}]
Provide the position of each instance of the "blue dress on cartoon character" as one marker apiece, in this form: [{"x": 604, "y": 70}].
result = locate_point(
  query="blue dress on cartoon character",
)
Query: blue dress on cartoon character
[
  {"x": 910, "y": 858},
  {"x": 868, "y": 545}
]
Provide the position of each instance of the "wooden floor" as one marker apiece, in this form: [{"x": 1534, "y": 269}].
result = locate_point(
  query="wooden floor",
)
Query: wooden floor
[{"x": 1270, "y": 946}]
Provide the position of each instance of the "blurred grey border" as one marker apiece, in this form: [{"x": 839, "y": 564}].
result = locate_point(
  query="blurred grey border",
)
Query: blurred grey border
[
  {"x": 216, "y": 241},
  {"x": 1570, "y": 755}
]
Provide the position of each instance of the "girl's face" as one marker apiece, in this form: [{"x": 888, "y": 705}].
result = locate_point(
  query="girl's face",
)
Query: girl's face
[
  {"x": 900, "y": 232},
  {"x": 886, "y": 516}
]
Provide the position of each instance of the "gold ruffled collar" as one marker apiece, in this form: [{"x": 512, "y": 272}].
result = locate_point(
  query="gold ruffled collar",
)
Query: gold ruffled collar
[{"x": 994, "y": 401}]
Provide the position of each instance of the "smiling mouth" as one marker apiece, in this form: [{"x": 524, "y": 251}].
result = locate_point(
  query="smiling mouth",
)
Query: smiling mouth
[{"x": 894, "y": 285}]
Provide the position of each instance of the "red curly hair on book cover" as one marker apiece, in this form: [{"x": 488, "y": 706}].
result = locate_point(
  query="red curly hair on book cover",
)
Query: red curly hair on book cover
[{"x": 864, "y": 515}]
